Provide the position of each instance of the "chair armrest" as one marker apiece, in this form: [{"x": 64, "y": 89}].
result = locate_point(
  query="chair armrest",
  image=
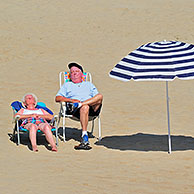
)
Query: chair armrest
[
  {"x": 63, "y": 106},
  {"x": 54, "y": 119},
  {"x": 64, "y": 109},
  {"x": 16, "y": 118}
]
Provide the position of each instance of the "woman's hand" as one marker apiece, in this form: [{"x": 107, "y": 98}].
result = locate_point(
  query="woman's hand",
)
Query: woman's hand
[{"x": 35, "y": 116}]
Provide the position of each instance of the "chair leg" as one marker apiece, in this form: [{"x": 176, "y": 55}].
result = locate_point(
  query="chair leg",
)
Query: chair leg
[
  {"x": 18, "y": 133},
  {"x": 64, "y": 128},
  {"x": 58, "y": 121},
  {"x": 99, "y": 129},
  {"x": 56, "y": 128},
  {"x": 92, "y": 130},
  {"x": 13, "y": 138}
]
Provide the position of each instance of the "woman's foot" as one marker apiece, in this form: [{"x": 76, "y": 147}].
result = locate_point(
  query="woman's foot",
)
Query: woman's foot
[
  {"x": 54, "y": 149},
  {"x": 35, "y": 149}
]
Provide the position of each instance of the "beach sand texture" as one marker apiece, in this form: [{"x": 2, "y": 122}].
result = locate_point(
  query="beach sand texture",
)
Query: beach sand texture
[{"x": 37, "y": 41}]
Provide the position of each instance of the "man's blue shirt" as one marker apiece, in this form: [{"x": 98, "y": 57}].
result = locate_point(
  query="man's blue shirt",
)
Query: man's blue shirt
[{"x": 80, "y": 91}]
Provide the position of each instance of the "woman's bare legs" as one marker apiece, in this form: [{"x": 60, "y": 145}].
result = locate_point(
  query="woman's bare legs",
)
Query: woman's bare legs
[
  {"x": 46, "y": 129},
  {"x": 32, "y": 134}
]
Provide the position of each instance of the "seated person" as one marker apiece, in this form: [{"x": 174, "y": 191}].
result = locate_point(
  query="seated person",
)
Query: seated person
[
  {"x": 84, "y": 95},
  {"x": 34, "y": 119}
]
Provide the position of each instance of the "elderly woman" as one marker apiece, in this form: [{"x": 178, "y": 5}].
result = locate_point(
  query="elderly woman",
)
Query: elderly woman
[{"x": 34, "y": 119}]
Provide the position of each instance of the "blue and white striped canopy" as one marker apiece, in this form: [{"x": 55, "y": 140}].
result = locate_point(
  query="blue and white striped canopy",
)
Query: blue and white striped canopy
[{"x": 163, "y": 61}]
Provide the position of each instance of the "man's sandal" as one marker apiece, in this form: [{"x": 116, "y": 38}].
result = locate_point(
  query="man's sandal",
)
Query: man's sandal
[{"x": 83, "y": 146}]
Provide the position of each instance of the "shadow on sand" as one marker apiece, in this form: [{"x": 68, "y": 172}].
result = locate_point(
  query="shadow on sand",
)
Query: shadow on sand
[
  {"x": 147, "y": 142},
  {"x": 24, "y": 140},
  {"x": 71, "y": 133}
]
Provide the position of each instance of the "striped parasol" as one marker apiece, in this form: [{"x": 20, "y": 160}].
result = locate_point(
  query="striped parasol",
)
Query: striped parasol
[{"x": 157, "y": 61}]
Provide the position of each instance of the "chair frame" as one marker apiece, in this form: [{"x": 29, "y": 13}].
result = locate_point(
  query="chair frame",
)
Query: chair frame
[
  {"x": 18, "y": 130},
  {"x": 63, "y": 108}
]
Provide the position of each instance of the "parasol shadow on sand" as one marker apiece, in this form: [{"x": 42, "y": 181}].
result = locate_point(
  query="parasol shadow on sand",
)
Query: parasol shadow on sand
[{"x": 147, "y": 142}]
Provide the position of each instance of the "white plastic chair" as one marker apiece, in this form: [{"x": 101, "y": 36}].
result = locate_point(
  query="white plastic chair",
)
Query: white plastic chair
[{"x": 64, "y": 77}]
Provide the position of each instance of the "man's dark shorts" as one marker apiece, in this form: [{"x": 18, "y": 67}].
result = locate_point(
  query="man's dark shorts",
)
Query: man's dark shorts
[{"x": 92, "y": 113}]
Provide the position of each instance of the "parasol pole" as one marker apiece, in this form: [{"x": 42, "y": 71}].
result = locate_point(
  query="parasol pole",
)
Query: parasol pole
[{"x": 168, "y": 115}]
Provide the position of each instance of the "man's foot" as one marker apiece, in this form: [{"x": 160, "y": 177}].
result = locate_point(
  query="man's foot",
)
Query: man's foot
[
  {"x": 85, "y": 140},
  {"x": 84, "y": 145}
]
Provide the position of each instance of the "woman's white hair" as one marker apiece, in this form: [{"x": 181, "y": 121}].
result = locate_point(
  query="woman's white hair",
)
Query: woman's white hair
[{"x": 31, "y": 94}]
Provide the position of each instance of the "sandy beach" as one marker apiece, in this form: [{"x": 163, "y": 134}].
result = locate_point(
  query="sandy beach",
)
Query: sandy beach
[{"x": 37, "y": 41}]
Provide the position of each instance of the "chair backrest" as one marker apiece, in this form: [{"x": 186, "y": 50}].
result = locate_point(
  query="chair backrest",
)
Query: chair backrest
[
  {"x": 16, "y": 106},
  {"x": 64, "y": 76}
]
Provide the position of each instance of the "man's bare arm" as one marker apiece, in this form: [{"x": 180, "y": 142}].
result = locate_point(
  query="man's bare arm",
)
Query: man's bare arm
[
  {"x": 94, "y": 100},
  {"x": 64, "y": 99}
]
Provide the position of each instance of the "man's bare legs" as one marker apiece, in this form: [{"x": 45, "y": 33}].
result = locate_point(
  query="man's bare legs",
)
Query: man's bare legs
[
  {"x": 95, "y": 102},
  {"x": 84, "y": 111}
]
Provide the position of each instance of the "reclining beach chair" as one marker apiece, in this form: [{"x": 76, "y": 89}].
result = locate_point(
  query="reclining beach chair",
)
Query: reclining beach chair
[
  {"x": 65, "y": 77},
  {"x": 16, "y": 106}
]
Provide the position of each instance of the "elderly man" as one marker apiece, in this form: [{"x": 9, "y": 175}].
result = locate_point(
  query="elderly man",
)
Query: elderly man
[{"x": 84, "y": 96}]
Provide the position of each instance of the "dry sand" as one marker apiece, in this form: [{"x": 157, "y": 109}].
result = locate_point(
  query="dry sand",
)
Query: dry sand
[{"x": 39, "y": 38}]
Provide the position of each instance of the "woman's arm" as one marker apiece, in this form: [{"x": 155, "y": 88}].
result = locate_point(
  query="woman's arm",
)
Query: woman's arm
[
  {"x": 46, "y": 115},
  {"x": 22, "y": 116},
  {"x": 20, "y": 113}
]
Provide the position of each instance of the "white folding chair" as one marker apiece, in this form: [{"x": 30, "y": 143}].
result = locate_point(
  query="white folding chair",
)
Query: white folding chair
[{"x": 65, "y": 77}]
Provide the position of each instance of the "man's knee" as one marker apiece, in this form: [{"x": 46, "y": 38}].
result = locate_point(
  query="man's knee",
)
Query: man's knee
[
  {"x": 100, "y": 98},
  {"x": 84, "y": 109}
]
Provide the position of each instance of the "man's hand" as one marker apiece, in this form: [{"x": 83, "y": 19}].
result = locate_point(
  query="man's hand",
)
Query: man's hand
[
  {"x": 74, "y": 100},
  {"x": 64, "y": 99}
]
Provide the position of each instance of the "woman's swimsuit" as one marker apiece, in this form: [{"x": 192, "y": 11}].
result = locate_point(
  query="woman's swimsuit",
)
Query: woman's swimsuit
[{"x": 33, "y": 119}]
